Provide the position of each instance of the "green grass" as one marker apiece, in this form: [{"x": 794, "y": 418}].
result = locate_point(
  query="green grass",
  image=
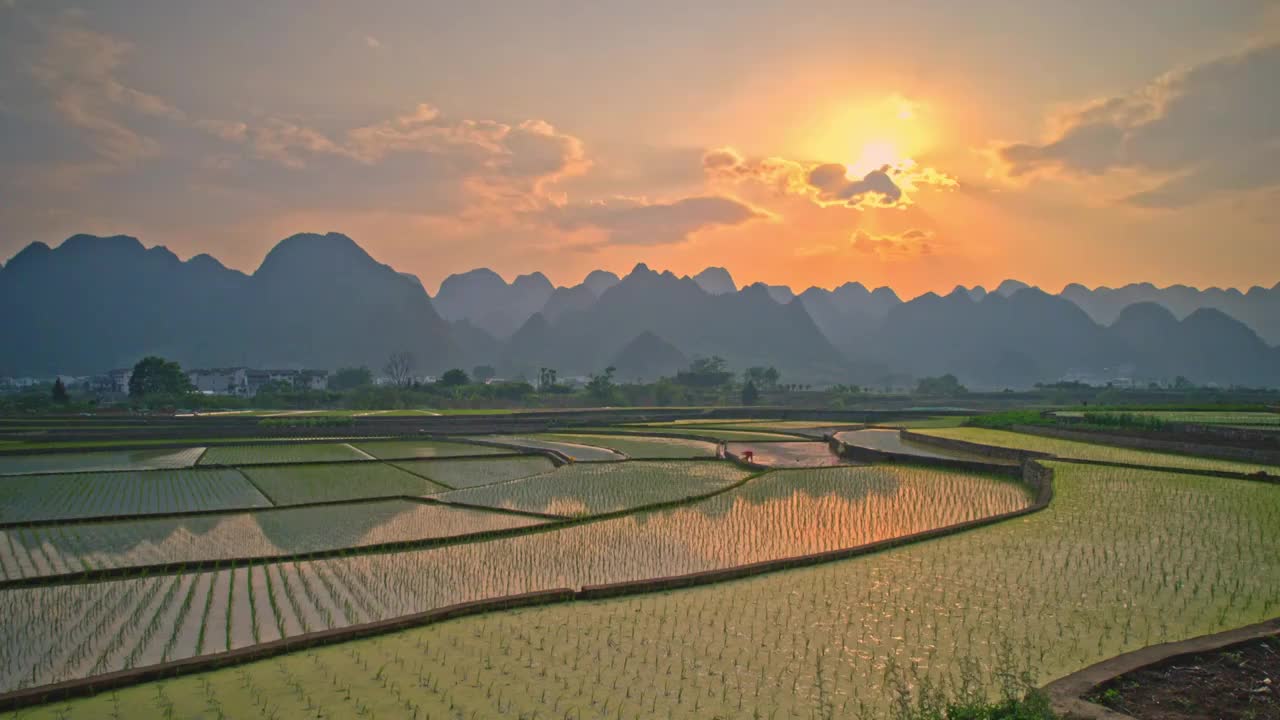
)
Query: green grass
[
  {"x": 1264, "y": 419},
  {"x": 638, "y": 446},
  {"x": 290, "y": 453},
  {"x": 294, "y": 484},
  {"x": 416, "y": 449},
  {"x": 464, "y": 473},
  {"x": 1094, "y": 451},
  {"x": 585, "y": 489}
]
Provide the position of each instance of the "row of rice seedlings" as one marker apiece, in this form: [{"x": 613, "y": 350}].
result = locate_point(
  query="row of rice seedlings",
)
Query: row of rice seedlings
[
  {"x": 295, "y": 484},
  {"x": 639, "y": 446},
  {"x": 1192, "y": 417},
  {"x": 282, "y": 453},
  {"x": 56, "y": 549},
  {"x": 1095, "y": 451},
  {"x": 1123, "y": 559},
  {"x": 99, "y": 461},
  {"x": 594, "y": 488},
  {"x": 475, "y": 472},
  {"x": 83, "y": 495}
]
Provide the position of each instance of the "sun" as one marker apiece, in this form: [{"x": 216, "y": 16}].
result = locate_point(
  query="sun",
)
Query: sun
[{"x": 875, "y": 155}]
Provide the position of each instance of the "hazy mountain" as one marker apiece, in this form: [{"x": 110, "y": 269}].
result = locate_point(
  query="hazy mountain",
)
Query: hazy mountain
[
  {"x": 1206, "y": 346},
  {"x": 781, "y": 294},
  {"x": 597, "y": 281},
  {"x": 316, "y": 301},
  {"x": 579, "y": 297},
  {"x": 648, "y": 357},
  {"x": 746, "y": 328},
  {"x": 848, "y": 314},
  {"x": 1259, "y": 308},
  {"x": 715, "y": 281},
  {"x": 475, "y": 346},
  {"x": 1009, "y": 287},
  {"x": 484, "y": 298}
]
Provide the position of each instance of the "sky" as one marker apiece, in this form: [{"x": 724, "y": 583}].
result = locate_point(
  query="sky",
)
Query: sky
[{"x": 919, "y": 144}]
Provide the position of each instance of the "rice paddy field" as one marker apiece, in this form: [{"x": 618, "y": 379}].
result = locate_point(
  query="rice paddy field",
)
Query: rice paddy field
[
  {"x": 572, "y": 450},
  {"x": 584, "y": 489},
  {"x": 31, "y": 498},
  {"x": 886, "y": 440},
  {"x": 312, "y": 483},
  {"x": 419, "y": 449},
  {"x": 59, "y": 549},
  {"x": 1122, "y": 558},
  {"x": 1094, "y": 451},
  {"x": 787, "y": 454},
  {"x": 453, "y": 474},
  {"x": 99, "y": 461},
  {"x": 282, "y": 453},
  {"x": 640, "y": 447}
]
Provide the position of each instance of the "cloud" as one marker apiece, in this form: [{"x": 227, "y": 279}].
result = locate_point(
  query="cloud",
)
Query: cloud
[
  {"x": 911, "y": 244},
  {"x": 629, "y": 221},
  {"x": 1193, "y": 133},
  {"x": 372, "y": 42},
  {"x": 825, "y": 183}
]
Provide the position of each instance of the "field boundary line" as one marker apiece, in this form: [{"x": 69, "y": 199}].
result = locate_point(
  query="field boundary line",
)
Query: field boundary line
[{"x": 255, "y": 485}]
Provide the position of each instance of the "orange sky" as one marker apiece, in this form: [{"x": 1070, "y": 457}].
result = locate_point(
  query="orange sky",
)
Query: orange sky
[{"x": 912, "y": 146}]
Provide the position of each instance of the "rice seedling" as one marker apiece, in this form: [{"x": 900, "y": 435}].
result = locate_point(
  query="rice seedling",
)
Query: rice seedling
[{"x": 573, "y": 451}]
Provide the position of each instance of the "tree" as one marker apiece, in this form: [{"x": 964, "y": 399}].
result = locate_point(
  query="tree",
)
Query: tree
[
  {"x": 154, "y": 376},
  {"x": 705, "y": 372},
  {"x": 348, "y": 378},
  {"x": 944, "y": 386},
  {"x": 762, "y": 377},
  {"x": 60, "y": 392},
  {"x": 601, "y": 387},
  {"x": 400, "y": 367},
  {"x": 546, "y": 378},
  {"x": 749, "y": 393},
  {"x": 454, "y": 378},
  {"x": 483, "y": 373}
]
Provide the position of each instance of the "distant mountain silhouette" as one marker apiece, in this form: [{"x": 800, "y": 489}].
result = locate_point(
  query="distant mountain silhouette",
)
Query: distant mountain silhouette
[
  {"x": 318, "y": 301},
  {"x": 648, "y": 357},
  {"x": 746, "y": 328},
  {"x": 715, "y": 281},
  {"x": 484, "y": 298},
  {"x": 1259, "y": 308}
]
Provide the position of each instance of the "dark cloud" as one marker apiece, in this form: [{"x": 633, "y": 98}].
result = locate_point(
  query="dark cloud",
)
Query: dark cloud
[
  {"x": 876, "y": 187},
  {"x": 631, "y": 222},
  {"x": 1201, "y": 131}
]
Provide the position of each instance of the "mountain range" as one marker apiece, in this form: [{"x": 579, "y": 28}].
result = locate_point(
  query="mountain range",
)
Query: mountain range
[{"x": 94, "y": 303}]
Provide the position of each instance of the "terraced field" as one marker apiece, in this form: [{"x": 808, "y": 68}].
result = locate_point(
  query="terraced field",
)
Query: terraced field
[
  {"x": 281, "y": 453},
  {"x": 1051, "y": 592},
  {"x": 30, "y": 498},
  {"x": 467, "y": 473},
  {"x": 59, "y": 549},
  {"x": 99, "y": 461},
  {"x": 640, "y": 447},
  {"x": 585, "y": 489},
  {"x": 1094, "y": 451},
  {"x": 419, "y": 449},
  {"x": 298, "y": 484},
  {"x": 571, "y": 450},
  {"x": 891, "y": 441}
]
